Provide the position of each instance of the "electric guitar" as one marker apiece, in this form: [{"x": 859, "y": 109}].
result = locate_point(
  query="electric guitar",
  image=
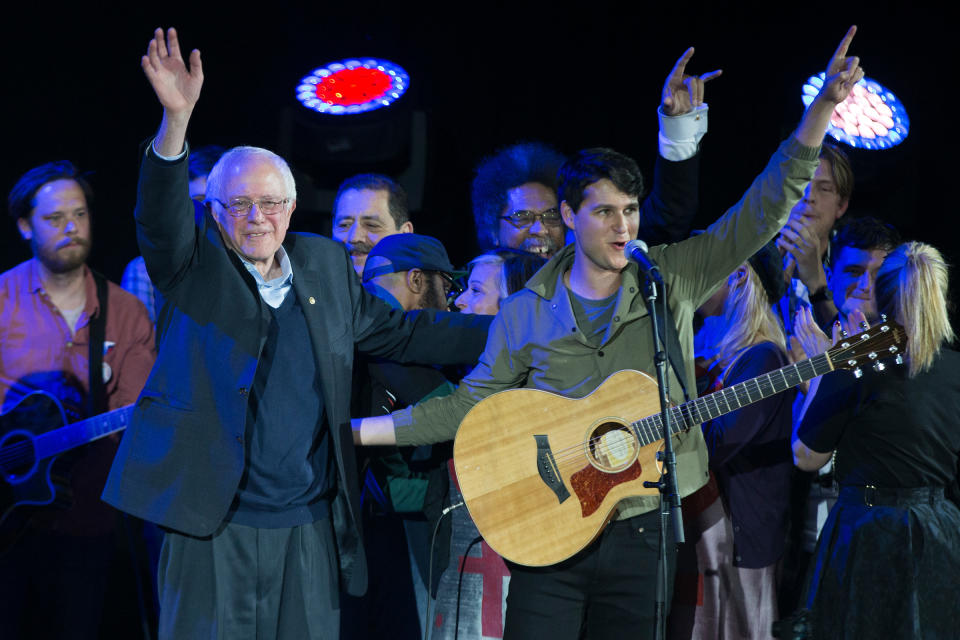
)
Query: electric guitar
[
  {"x": 541, "y": 473},
  {"x": 32, "y": 435}
]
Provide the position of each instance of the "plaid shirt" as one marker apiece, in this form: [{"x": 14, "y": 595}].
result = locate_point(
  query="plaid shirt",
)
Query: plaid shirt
[{"x": 136, "y": 281}]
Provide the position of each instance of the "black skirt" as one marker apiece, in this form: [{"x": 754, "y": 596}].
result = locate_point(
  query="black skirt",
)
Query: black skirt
[{"x": 887, "y": 565}]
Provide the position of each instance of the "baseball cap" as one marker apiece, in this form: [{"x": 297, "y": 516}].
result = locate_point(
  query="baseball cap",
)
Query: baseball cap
[{"x": 405, "y": 251}]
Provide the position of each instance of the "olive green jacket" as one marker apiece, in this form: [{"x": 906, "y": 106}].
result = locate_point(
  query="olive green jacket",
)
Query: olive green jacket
[{"x": 535, "y": 342}]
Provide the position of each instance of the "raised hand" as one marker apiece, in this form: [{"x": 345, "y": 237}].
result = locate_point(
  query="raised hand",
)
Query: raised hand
[
  {"x": 811, "y": 338},
  {"x": 177, "y": 86},
  {"x": 681, "y": 92},
  {"x": 843, "y": 71},
  {"x": 803, "y": 245}
]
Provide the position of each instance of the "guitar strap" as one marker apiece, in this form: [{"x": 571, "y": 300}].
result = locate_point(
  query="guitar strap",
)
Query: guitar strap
[
  {"x": 668, "y": 329},
  {"x": 97, "y": 397}
]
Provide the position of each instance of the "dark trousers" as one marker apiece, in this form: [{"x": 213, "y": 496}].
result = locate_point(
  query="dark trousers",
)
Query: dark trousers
[
  {"x": 245, "y": 582},
  {"x": 607, "y": 590}
]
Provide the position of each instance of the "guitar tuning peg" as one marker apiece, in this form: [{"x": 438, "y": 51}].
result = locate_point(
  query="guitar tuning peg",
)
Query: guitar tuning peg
[
  {"x": 883, "y": 317},
  {"x": 843, "y": 333},
  {"x": 879, "y": 366},
  {"x": 858, "y": 373},
  {"x": 864, "y": 325},
  {"x": 899, "y": 358}
]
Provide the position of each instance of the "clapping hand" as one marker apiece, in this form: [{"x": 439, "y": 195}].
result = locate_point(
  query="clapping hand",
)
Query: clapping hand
[{"x": 802, "y": 245}]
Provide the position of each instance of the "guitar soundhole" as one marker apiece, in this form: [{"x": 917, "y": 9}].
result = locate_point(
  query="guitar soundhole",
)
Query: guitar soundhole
[
  {"x": 17, "y": 458},
  {"x": 611, "y": 447}
]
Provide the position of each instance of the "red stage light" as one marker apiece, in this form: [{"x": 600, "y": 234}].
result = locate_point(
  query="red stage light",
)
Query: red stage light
[{"x": 353, "y": 86}]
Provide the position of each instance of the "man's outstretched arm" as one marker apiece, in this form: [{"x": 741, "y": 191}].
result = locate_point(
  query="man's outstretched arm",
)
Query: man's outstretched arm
[
  {"x": 165, "y": 215},
  {"x": 842, "y": 73}
]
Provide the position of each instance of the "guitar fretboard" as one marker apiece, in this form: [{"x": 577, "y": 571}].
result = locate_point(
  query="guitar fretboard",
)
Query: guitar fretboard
[
  {"x": 718, "y": 403},
  {"x": 73, "y": 435}
]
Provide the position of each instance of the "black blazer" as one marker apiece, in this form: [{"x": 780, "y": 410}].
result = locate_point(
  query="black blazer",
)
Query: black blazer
[{"x": 182, "y": 458}]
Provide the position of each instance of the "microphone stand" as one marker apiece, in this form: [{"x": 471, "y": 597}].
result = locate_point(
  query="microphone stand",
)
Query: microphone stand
[{"x": 667, "y": 485}]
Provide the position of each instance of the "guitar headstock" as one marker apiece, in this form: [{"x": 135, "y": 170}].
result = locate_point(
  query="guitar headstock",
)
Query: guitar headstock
[{"x": 887, "y": 339}]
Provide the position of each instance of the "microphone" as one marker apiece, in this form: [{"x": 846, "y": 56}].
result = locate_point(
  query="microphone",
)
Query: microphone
[{"x": 636, "y": 250}]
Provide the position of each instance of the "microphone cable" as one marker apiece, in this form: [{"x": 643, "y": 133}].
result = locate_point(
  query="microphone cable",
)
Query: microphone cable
[{"x": 427, "y": 627}]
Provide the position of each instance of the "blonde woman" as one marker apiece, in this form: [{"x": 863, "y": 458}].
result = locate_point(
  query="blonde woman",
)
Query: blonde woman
[
  {"x": 494, "y": 276},
  {"x": 888, "y": 559},
  {"x": 738, "y": 521}
]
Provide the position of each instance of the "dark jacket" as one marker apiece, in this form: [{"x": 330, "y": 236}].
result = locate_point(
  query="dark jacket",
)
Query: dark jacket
[{"x": 182, "y": 458}]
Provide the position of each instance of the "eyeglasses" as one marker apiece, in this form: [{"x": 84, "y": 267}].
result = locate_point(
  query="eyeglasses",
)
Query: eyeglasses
[
  {"x": 522, "y": 218},
  {"x": 455, "y": 289},
  {"x": 240, "y": 207}
]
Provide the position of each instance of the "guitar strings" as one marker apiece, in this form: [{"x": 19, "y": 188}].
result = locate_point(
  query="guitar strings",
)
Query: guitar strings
[
  {"x": 698, "y": 405},
  {"x": 575, "y": 454},
  {"x": 578, "y": 453},
  {"x": 15, "y": 454}
]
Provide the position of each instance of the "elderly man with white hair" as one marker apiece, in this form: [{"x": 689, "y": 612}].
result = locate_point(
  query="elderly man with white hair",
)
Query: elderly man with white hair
[{"x": 240, "y": 444}]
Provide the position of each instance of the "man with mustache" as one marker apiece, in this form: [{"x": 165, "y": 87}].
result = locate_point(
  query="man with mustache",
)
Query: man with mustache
[
  {"x": 368, "y": 208},
  {"x": 49, "y": 308}
]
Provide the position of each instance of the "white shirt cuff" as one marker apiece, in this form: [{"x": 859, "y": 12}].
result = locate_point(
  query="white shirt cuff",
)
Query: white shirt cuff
[
  {"x": 680, "y": 136},
  {"x": 170, "y": 158}
]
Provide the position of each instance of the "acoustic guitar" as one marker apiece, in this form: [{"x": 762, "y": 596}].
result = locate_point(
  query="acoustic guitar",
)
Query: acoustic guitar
[
  {"x": 541, "y": 473},
  {"x": 32, "y": 435}
]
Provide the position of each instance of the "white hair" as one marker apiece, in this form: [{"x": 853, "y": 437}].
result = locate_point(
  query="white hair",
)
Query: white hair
[{"x": 238, "y": 154}]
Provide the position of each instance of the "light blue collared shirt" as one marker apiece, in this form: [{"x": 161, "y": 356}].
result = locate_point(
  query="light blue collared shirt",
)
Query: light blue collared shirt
[{"x": 275, "y": 291}]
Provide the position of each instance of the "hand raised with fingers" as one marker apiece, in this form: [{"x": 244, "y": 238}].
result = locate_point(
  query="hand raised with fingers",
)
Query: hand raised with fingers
[
  {"x": 843, "y": 71},
  {"x": 177, "y": 86},
  {"x": 681, "y": 92},
  {"x": 813, "y": 340}
]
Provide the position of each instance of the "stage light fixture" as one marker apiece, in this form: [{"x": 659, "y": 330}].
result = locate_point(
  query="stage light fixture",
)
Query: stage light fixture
[
  {"x": 353, "y": 86},
  {"x": 870, "y": 118}
]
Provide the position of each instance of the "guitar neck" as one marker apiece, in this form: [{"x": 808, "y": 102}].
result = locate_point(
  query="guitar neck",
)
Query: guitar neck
[
  {"x": 718, "y": 403},
  {"x": 73, "y": 435}
]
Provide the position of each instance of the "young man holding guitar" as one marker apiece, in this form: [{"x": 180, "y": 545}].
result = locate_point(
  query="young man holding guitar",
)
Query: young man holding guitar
[{"x": 581, "y": 319}]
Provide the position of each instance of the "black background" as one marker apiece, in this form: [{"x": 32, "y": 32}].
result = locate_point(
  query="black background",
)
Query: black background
[{"x": 485, "y": 75}]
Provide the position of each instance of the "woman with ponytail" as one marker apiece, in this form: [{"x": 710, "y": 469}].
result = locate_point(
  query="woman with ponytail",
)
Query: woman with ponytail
[{"x": 888, "y": 559}]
